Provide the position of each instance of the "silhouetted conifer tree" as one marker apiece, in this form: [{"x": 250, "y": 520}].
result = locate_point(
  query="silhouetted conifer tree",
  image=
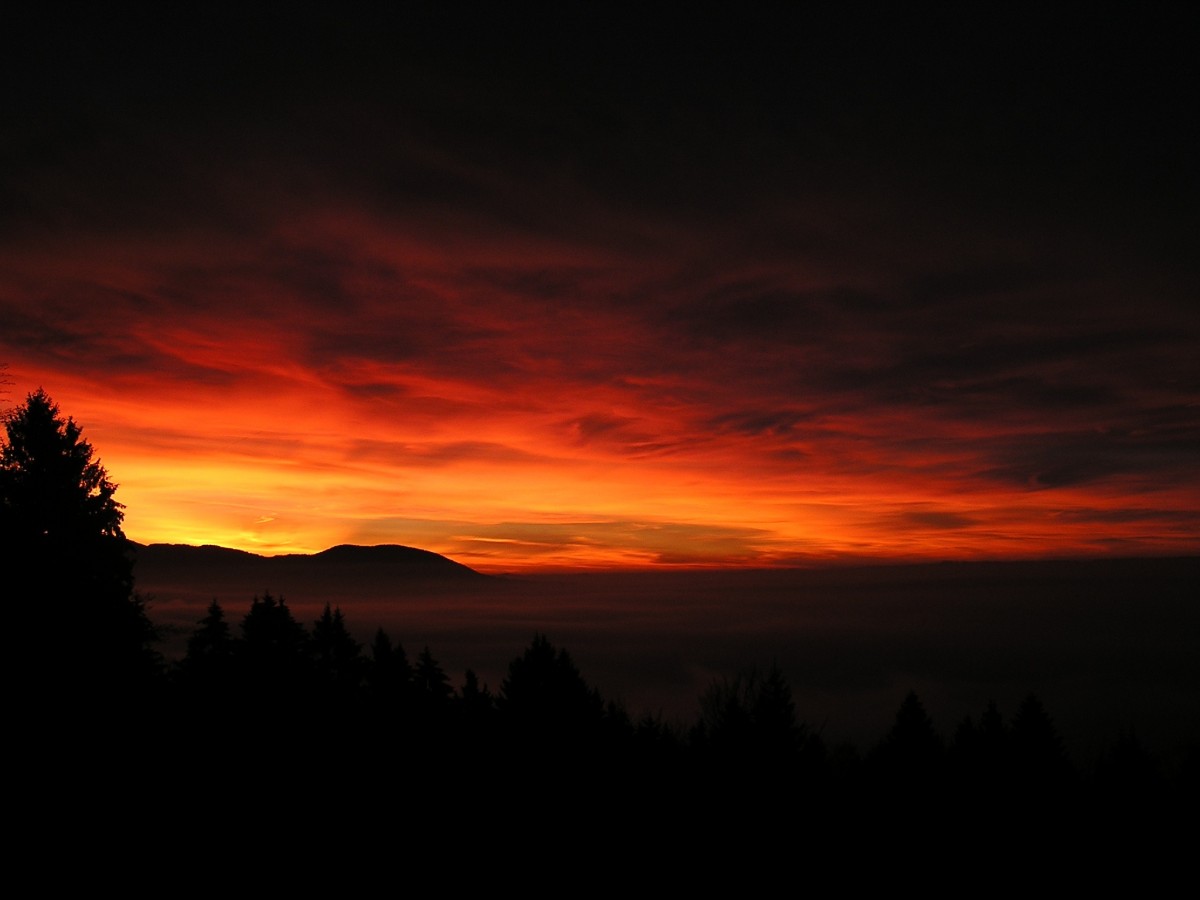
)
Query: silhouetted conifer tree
[
  {"x": 477, "y": 712},
  {"x": 389, "y": 676},
  {"x": 749, "y": 742},
  {"x": 553, "y": 723},
  {"x": 430, "y": 682},
  {"x": 208, "y": 666},
  {"x": 61, "y": 525},
  {"x": 478, "y": 701},
  {"x": 208, "y": 686},
  {"x": 910, "y": 758},
  {"x": 272, "y": 649},
  {"x": 270, "y": 629},
  {"x": 335, "y": 654},
  {"x": 545, "y": 692},
  {"x": 980, "y": 765},
  {"x": 752, "y": 715},
  {"x": 657, "y": 741},
  {"x": 212, "y": 639},
  {"x": 993, "y": 736},
  {"x": 55, "y": 500},
  {"x": 1040, "y": 763}
]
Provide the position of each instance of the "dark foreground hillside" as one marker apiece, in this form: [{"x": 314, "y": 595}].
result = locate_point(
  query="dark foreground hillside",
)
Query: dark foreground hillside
[
  {"x": 271, "y": 725},
  {"x": 274, "y": 720}
]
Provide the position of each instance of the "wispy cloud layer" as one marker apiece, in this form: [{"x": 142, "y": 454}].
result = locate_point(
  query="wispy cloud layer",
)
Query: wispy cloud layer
[{"x": 528, "y": 321}]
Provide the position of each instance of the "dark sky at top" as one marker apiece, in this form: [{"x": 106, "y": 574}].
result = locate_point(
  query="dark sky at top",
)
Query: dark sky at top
[{"x": 1084, "y": 122}]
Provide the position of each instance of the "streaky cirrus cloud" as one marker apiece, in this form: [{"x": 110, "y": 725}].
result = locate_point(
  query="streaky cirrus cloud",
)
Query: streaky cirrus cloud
[{"x": 543, "y": 310}]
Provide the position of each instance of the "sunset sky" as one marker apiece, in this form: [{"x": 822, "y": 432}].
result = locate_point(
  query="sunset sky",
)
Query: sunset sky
[{"x": 586, "y": 291}]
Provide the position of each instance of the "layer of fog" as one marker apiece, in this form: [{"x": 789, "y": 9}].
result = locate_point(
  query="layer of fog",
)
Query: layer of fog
[{"x": 1106, "y": 645}]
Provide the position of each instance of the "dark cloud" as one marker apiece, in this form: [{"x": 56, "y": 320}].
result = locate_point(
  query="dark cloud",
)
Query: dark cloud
[
  {"x": 1165, "y": 516},
  {"x": 439, "y": 454},
  {"x": 760, "y": 422},
  {"x": 545, "y": 283},
  {"x": 439, "y": 342},
  {"x": 882, "y": 259},
  {"x": 933, "y": 519},
  {"x": 986, "y": 399},
  {"x": 628, "y": 436},
  {"x": 79, "y": 347},
  {"x": 375, "y": 390},
  {"x": 255, "y": 444},
  {"x": 595, "y": 425},
  {"x": 1052, "y": 460},
  {"x": 757, "y": 315},
  {"x": 707, "y": 116},
  {"x": 994, "y": 279}
]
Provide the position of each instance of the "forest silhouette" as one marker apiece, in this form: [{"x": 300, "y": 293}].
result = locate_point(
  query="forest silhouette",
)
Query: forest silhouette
[{"x": 302, "y": 719}]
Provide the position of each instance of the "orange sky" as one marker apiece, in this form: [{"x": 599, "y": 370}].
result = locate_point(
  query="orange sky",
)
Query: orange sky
[{"x": 506, "y": 325}]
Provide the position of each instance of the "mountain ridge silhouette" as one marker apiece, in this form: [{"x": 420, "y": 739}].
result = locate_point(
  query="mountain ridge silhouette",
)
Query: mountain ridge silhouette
[{"x": 395, "y": 559}]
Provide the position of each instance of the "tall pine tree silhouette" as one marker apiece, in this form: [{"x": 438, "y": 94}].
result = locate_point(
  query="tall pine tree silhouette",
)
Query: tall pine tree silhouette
[{"x": 60, "y": 535}]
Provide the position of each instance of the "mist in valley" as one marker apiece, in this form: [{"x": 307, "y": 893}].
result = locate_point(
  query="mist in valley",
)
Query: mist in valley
[{"x": 1106, "y": 644}]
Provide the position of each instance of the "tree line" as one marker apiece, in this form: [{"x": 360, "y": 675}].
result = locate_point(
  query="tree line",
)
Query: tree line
[{"x": 257, "y": 709}]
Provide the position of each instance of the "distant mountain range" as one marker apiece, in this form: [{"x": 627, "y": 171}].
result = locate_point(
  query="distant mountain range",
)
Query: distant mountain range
[{"x": 346, "y": 562}]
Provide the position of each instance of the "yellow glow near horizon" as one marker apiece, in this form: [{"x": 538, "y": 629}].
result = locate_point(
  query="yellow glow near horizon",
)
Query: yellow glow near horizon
[{"x": 433, "y": 397}]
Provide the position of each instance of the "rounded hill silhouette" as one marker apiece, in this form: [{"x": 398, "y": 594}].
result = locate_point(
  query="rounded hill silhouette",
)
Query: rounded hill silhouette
[{"x": 344, "y": 563}]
